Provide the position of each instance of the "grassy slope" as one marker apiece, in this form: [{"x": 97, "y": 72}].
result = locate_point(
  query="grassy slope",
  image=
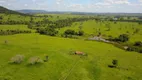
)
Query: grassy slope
[{"x": 94, "y": 67}]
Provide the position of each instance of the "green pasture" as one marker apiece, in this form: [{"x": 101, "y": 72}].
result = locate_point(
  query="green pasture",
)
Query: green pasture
[
  {"x": 93, "y": 28},
  {"x": 14, "y": 27},
  {"x": 63, "y": 66}
]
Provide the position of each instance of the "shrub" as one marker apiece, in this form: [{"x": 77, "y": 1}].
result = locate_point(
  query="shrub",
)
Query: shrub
[
  {"x": 69, "y": 32},
  {"x": 51, "y": 31},
  {"x": 131, "y": 48},
  {"x": 47, "y": 31},
  {"x": 34, "y": 60},
  {"x": 140, "y": 51},
  {"x": 17, "y": 59},
  {"x": 123, "y": 38},
  {"x": 46, "y": 59},
  {"x": 80, "y": 33},
  {"x": 115, "y": 62},
  {"x": 138, "y": 43}
]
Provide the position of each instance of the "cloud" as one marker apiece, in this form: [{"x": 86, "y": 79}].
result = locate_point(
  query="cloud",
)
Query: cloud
[
  {"x": 117, "y": 1},
  {"x": 7, "y": 0},
  {"x": 25, "y": 5},
  {"x": 103, "y": 4},
  {"x": 140, "y": 0},
  {"x": 59, "y": 1},
  {"x": 2, "y": 1},
  {"x": 76, "y": 6},
  {"x": 34, "y": 0}
]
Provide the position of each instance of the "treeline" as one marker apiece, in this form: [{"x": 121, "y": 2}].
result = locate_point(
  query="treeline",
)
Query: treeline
[
  {"x": 120, "y": 42},
  {"x": 137, "y": 46},
  {"x": 71, "y": 33},
  {"x": 12, "y": 22},
  {"x": 11, "y": 32},
  {"x": 121, "y": 38},
  {"x": 49, "y": 30},
  {"x": 50, "y": 27}
]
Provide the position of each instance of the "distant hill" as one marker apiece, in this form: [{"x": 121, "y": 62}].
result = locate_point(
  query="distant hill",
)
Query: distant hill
[
  {"x": 28, "y": 11},
  {"x": 7, "y": 11}
]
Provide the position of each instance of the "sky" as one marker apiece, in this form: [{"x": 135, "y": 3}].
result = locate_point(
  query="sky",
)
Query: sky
[{"x": 112, "y": 6}]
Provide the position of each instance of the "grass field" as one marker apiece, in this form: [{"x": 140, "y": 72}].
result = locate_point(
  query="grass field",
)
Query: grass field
[
  {"x": 61, "y": 65},
  {"x": 14, "y": 27},
  {"x": 92, "y": 28},
  {"x": 14, "y": 17},
  {"x": 51, "y": 17},
  {"x": 59, "y": 16}
]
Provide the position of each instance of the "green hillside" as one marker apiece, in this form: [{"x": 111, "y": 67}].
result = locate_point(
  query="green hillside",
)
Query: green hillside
[{"x": 7, "y": 11}]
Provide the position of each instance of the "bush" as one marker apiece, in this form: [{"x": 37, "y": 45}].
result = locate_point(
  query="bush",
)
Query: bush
[
  {"x": 69, "y": 32},
  {"x": 47, "y": 31},
  {"x": 123, "y": 38},
  {"x": 115, "y": 62},
  {"x": 34, "y": 60},
  {"x": 138, "y": 43},
  {"x": 140, "y": 51},
  {"x": 46, "y": 59},
  {"x": 80, "y": 33},
  {"x": 17, "y": 59},
  {"x": 51, "y": 31}
]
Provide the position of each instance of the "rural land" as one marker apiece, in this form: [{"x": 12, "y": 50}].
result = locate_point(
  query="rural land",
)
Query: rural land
[{"x": 54, "y": 45}]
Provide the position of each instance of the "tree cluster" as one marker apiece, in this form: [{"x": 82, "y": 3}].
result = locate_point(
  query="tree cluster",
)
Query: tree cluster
[
  {"x": 121, "y": 38},
  {"x": 70, "y": 32},
  {"x": 47, "y": 31},
  {"x": 11, "y": 32}
]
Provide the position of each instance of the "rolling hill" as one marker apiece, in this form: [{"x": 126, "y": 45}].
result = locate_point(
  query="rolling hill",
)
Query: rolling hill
[
  {"x": 31, "y": 11},
  {"x": 7, "y": 11}
]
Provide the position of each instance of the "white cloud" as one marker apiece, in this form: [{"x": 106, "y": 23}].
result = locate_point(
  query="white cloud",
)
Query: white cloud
[
  {"x": 76, "y": 6},
  {"x": 9, "y": 4},
  {"x": 34, "y": 0},
  {"x": 2, "y": 1},
  {"x": 25, "y": 5},
  {"x": 103, "y": 4},
  {"x": 117, "y": 1},
  {"x": 59, "y": 1},
  {"x": 140, "y": 0}
]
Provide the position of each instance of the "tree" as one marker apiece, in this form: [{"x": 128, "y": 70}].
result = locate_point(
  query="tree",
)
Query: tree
[
  {"x": 1, "y": 17},
  {"x": 41, "y": 31},
  {"x": 47, "y": 31},
  {"x": 123, "y": 38},
  {"x": 69, "y": 32},
  {"x": 80, "y": 33},
  {"x": 115, "y": 62},
  {"x": 138, "y": 43},
  {"x": 51, "y": 31},
  {"x": 30, "y": 25}
]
